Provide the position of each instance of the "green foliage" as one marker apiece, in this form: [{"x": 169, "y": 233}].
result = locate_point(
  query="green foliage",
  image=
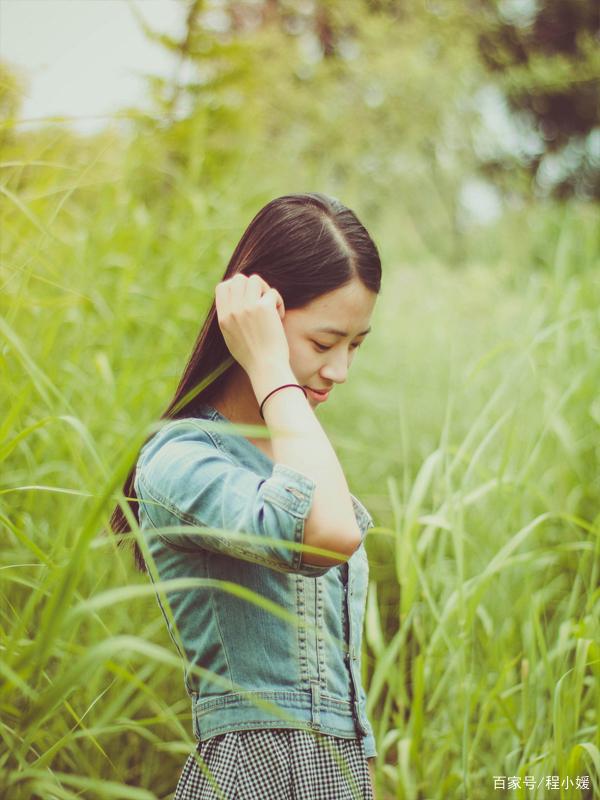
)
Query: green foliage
[
  {"x": 474, "y": 438},
  {"x": 385, "y": 113},
  {"x": 12, "y": 87},
  {"x": 545, "y": 58}
]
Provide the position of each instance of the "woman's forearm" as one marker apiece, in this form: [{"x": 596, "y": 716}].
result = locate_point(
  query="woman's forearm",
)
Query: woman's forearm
[{"x": 298, "y": 440}]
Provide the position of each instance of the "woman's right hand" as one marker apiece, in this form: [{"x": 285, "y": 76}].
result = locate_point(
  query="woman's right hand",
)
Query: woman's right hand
[{"x": 249, "y": 313}]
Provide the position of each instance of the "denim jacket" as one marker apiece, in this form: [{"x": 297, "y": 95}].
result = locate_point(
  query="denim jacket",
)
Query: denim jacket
[{"x": 267, "y": 640}]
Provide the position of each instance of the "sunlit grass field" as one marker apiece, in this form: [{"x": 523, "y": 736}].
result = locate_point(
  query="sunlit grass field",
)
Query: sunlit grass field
[{"x": 469, "y": 426}]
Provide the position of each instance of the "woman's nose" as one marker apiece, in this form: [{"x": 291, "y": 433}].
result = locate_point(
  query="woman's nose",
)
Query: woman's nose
[{"x": 336, "y": 370}]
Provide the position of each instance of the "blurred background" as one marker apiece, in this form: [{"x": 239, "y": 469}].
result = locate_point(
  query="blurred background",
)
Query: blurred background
[{"x": 138, "y": 140}]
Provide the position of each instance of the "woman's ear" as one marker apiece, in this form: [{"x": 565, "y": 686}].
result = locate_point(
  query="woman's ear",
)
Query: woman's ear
[{"x": 280, "y": 305}]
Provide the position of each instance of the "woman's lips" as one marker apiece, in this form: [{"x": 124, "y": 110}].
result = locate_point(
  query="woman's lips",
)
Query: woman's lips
[{"x": 319, "y": 396}]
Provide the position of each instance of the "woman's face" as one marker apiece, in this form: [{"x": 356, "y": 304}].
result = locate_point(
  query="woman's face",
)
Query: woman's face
[{"x": 324, "y": 335}]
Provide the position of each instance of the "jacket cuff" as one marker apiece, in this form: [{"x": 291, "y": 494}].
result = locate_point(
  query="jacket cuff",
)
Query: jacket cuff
[
  {"x": 363, "y": 518},
  {"x": 369, "y": 746},
  {"x": 290, "y": 490}
]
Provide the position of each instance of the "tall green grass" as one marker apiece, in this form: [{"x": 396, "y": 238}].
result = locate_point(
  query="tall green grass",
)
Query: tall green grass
[{"x": 474, "y": 441}]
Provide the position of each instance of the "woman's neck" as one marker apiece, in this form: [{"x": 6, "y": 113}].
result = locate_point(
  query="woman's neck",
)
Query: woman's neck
[
  {"x": 237, "y": 403},
  {"x": 236, "y": 399}
]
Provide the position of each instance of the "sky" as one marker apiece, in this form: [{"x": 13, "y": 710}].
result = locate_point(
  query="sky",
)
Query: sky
[{"x": 85, "y": 59}]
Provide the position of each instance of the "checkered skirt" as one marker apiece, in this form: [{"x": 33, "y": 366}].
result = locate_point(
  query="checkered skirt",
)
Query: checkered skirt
[{"x": 276, "y": 764}]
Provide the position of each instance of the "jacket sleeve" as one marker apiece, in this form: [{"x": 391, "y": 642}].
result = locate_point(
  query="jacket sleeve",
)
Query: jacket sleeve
[
  {"x": 369, "y": 744},
  {"x": 188, "y": 481}
]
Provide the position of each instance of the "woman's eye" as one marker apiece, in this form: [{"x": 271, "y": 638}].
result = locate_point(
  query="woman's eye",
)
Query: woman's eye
[{"x": 322, "y": 348}]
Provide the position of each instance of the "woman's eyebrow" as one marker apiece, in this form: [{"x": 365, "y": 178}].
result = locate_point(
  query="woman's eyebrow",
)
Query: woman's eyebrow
[{"x": 340, "y": 333}]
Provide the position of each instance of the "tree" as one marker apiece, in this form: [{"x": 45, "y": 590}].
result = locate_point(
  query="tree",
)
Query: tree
[
  {"x": 12, "y": 88},
  {"x": 369, "y": 99},
  {"x": 546, "y": 60}
]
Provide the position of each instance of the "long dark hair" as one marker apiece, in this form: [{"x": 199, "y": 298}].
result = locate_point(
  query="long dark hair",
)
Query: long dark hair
[{"x": 303, "y": 245}]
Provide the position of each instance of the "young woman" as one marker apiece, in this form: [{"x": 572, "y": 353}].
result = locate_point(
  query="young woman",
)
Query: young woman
[{"x": 262, "y": 533}]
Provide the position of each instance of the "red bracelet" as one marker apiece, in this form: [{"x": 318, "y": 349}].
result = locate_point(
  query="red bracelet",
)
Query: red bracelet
[{"x": 285, "y": 385}]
